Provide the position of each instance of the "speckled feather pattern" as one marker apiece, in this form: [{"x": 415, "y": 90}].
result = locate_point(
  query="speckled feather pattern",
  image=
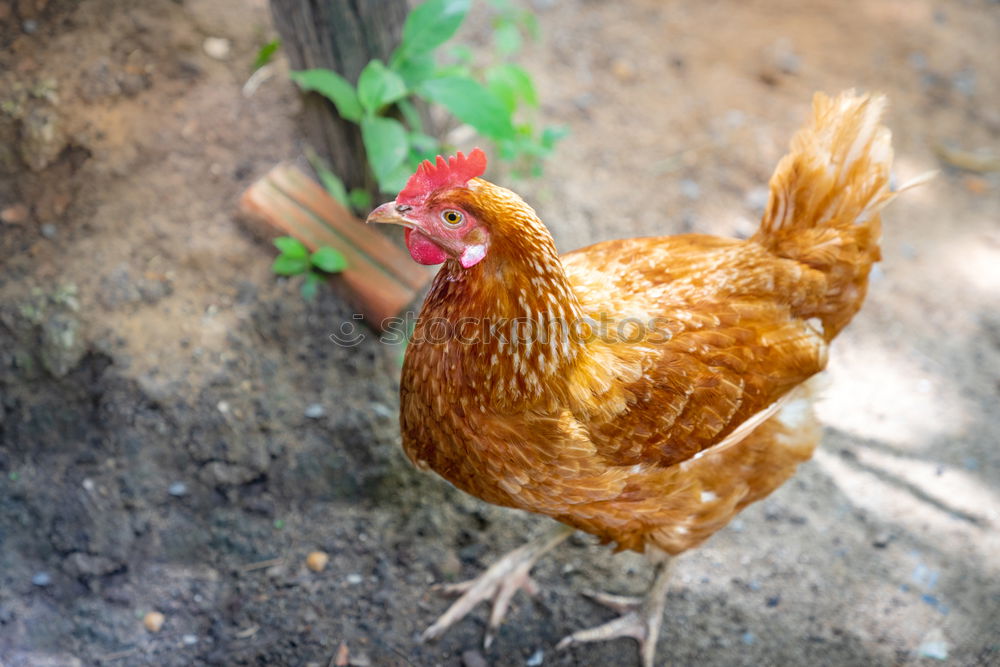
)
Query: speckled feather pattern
[{"x": 639, "y": 441}]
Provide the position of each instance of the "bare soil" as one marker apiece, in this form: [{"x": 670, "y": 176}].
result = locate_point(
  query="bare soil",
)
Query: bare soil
[{"x": 155, "y": 378}]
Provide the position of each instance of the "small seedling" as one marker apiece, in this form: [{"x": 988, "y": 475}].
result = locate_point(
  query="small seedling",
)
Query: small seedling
[
  {"x": 266, "y": 53},
  {"x": 295, "y": 259}
]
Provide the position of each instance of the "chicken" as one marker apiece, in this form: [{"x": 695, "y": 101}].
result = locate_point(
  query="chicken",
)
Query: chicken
[{"x": 642, "y": 390}]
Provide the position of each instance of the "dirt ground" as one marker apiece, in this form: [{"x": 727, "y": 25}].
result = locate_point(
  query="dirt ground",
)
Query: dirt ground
[{"x": 177, "y": 431}]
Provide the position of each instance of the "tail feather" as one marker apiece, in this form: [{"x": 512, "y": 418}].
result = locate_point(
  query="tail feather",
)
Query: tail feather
[
  {"x": 837, "y": 169},
  {"x": 826, "y": 194}
]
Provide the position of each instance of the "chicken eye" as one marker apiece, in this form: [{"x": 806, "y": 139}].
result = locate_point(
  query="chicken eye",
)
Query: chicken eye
[{"x": 452, "y": 217}]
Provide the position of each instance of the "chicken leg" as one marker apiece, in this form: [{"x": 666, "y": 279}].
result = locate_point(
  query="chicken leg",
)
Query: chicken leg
[
  {"x": 497, "y": 584},
  {"x": 640, "y": 617}
]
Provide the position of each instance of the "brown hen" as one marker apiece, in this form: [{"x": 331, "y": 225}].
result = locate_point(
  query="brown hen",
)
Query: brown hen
[{"x": 641, "y": 390}]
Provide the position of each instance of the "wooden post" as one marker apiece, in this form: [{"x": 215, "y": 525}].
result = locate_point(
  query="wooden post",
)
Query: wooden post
[{"x": 342, "y": 35}]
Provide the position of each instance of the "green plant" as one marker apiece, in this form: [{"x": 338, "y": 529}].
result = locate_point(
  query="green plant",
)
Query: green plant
[
  {"x": 295, "y": 259},
  {"x": 266, "y": 53},
  {"x": 497, "y": 101}
]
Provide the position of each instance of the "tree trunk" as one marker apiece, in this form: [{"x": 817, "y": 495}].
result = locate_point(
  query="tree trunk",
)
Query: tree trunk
[{"x": 341, "y": 35}]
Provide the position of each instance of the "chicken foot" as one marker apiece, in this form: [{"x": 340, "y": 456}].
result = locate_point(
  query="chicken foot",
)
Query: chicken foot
[
  {"x": 497, "y": 584},
  {"x": 640, "y": 617}
]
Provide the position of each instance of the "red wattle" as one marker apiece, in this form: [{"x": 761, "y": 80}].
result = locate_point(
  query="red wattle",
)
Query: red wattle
[{"x": 422, "y": 249}]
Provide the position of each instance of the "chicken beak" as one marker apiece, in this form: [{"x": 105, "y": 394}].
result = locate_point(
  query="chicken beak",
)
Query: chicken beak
[{"x": 389, "y": 213}]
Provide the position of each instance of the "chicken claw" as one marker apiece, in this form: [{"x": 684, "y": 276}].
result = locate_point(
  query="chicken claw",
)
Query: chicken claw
[
  {"x": 497, "y": 584},
  {"x": 640, "y": 617}
]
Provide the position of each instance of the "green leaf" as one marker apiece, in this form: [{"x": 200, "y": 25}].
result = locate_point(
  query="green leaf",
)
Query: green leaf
[
  {"x": 456, "y": 70},
  {"x": 333, "y": 185},
  {"x": 423, "y": 147},
  {"x": 397, "y": 178},
  {"x": 378, "y": 86},
  {"x": 386, "y": 145},
  {"x": 361, "y": 200},
  {"x": 508, "y": 38},
  {"x": 415, "y": 70},
  {"x": 310, "y": 286},
  {"x": 329, "y": 260},
  {"x": 266, "y": 52},
  {"x": 553, "y": 134},
  {"x": 290, "y": 266},
  {"x": 330, "y": 180},
  {"x": 332, "y": 86},
  {"x": 291, "y": 247},
  {"x": 428, "y": 26},
  {"x": 472, "y": 103},
  {"x": 512, "y": 84}
]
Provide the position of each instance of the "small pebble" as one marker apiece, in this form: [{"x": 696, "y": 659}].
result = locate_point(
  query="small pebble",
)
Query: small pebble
[
  {"x": 623, "y": 69},
  {"x": 217, "y": 47},
  {"x": 318, "y": 560},
  {"x": 785, "y": 57},
  {"x": 537, "y": 658},
  {"x": 15, "y": 214},
  {"x": 748, "y": 638},
  {"x": 49, "y": 230},
  {"x": 178, "y": 489},
  {"x": 360, "y": 660},
  {"x": 690, "y": 189},
  {"x": 343, "y": 657},
  {"x": 30, "y": 26},
  {"x": 774, "y": 601},
  {"x": 153, "y": 621},
  {"x": 473, "y": 658},
  {"x": 189, "y": 640},
  {"x": 382, "y": 410},
  {"x": 41, "y": 579},
  {"x": 354, "y": 579},
  {"x": 882, "y": 540},
  {"x": 964, "y": 82},
  {"x": 977, "y": 185},
  {"x": 315, "y": 411},
  {"x": 934, "y": 646},
  {"x": 584, "y": 101},
  {"x": 222, "y": 406},
  {"x": 924, "y": 576}
]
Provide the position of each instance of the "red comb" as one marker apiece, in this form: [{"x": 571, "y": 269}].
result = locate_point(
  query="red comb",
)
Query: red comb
[{"x": 453, "y": 173}]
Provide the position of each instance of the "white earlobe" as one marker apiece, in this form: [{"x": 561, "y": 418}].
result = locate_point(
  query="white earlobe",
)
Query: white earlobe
[{"x": 472, "y": 255}]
